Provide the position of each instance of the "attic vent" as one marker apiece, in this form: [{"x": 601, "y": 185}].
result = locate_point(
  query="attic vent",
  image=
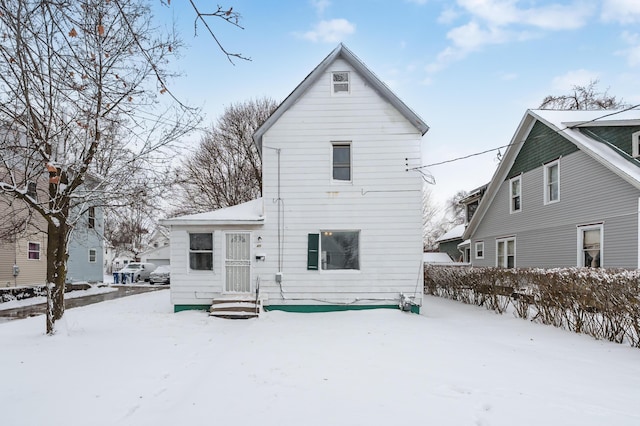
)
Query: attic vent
[
  {"x": 340, "y": 82},
  {"x": 635, "y": 144}
]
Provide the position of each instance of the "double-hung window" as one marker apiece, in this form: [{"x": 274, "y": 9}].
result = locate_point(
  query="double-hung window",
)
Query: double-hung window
[
  {"x": 340, "y": 82},
  {"x": 92, "y": 255},
  {"x": 506, "y": 252},
  {"x": 341, "y": 161},
  {"x": 480, "y": 250},
  {"x": 552, "y": 182},
  {"x": 92, "y": 217},
  {"x": 635, "y": 145},
  {"x": 32, "y": 190},
  {"x": 515, "y": 191},
  {"x": 33, "y": 251},
  {"x": 201, "y": 251},
  {"x": 590, "y": 242}
]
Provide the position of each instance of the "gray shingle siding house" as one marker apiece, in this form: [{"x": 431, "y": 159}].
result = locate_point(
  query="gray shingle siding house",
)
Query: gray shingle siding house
[{"x": 567, "y": 193}]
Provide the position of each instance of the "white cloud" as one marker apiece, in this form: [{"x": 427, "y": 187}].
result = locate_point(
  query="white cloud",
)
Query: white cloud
[
  {"x": 579, "y": 77},
  {"x": 507, "y": 12},
  {"x": 332, "y": 31},
  {"x": 448, "y": 15},
  {"x": 466, "y": 39},
  {"x": 622, "y": 11},
  {"x": 506, "y": 21},
  {"x": 320, "y": 5},
  {"x": 632, "y": 52}
]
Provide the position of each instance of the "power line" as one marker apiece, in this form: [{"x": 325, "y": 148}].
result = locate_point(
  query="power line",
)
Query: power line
[{"x": 475, "y": 154}]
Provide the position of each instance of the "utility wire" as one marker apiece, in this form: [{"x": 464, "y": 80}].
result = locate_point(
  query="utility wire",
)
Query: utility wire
[{"x": 475, "y": 154}]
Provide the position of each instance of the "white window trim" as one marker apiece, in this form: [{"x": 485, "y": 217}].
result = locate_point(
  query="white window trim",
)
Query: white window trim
[
  {"x": 95, "y": 256},
  {"x": 515, "y": 251},
  {"x": 635, "y": 144},
  {"x": 340, "y": 181},
  {"x": 546, "y": 181},
  {"x": 213, "y": 249},
  {"x": 333, "y": 83},
  {"x": 517, "y": 178},
  {"x": 39, "y": 250},
  {"x": 481, "y": 245},
  {"x": 579, "y": 241}
]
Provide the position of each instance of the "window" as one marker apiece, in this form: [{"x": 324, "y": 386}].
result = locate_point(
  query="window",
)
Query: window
[
  {"x": 340, "y": 82},
  {"x": 515, "y": 201},
  {"x": 201, "y": 252},
  {"x": 31, "y": 190},
  {"x": 635, "y": 145},
  {"x": 480, "y": 250},
  {"x": 34, "y": 251},
  {"x": 552, "y": 182},
  {"x": 92, "y": 217},
  {"x": 92, "y": 255},
  {"x": 590, "y": 246},
  {"x": 341, "y": 152},
  {"x": 338, "y": 250},
  {"x": 506, "y": 253}
]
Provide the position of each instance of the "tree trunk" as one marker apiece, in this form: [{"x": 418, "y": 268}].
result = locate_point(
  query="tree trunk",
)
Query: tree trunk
[{"x": 56, "y": 269}]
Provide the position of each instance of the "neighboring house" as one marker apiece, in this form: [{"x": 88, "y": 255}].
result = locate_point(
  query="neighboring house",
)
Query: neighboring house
[
  {"x": 23, "y": 237},
  {"x": 449, "y": 241},
  {"x": 566, "y": 194},
  {"x": 436, "y": 258},
  {"x": 159, "y": 252},
  {"x": 339, "y": 225},
  {"x": 86, "y": 247},
  {"x": 23, "y": 255}
]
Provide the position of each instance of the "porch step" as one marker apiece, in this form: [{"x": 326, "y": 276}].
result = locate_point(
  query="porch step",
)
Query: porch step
[{"x": 235, "y": 308}]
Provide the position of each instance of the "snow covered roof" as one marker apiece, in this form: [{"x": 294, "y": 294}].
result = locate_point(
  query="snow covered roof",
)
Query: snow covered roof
[
  {"x": 249, "y": 213},
  {"x": 453, "y": 234},
  {"x": 341, "y": 52},
  {"x": 567, "y": 123},
  {"x": 436, "y": 258}
]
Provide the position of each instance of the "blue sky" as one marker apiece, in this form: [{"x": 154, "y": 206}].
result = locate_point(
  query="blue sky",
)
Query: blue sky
[{"x": 469, "y": 68}]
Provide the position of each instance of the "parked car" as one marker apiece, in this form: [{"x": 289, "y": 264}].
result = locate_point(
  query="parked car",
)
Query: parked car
[
  {"x": 137, "y": 271},
  {"x": 162, "y": 275}
]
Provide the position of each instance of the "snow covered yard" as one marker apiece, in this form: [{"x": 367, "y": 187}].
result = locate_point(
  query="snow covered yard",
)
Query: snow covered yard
[{"x": 132, "y": 361}]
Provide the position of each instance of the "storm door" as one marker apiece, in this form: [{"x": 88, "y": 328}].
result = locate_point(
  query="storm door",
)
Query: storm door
[{"x": 237, "y": 262}]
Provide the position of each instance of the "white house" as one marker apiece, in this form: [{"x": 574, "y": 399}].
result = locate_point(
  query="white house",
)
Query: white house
[
  {"x": 339, "y": 225},
  {"x": 158, "y": 252}
]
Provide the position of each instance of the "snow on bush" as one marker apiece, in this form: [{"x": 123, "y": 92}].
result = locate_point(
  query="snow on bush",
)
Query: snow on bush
[{"x": 603, "y": 303}]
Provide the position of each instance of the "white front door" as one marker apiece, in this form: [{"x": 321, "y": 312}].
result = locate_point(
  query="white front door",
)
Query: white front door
[{"x": 237, "y": 262}]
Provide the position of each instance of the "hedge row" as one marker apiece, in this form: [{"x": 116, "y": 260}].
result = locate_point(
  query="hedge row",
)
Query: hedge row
[
  {"x": 602, "y": 303},
  {"x": 18, "y": 293}
]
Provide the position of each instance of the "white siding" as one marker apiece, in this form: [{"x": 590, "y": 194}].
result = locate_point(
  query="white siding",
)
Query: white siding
[
  {"x": 383, "y": 200},
  {"x": 197, "y": 287}
]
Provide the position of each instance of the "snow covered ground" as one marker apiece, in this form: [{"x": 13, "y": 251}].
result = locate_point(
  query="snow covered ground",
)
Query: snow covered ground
[
  {"x": 132, "y": 361},
  {"x": 95, "y": 289}
]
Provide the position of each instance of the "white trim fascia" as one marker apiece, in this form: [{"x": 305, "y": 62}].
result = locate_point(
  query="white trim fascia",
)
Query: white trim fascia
[{"x": 500, "y": 175}]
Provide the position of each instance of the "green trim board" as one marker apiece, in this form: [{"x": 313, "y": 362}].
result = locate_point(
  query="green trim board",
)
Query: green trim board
[
  {"x": 180, "y": 308},
  {"x": 308, "y": 309}
]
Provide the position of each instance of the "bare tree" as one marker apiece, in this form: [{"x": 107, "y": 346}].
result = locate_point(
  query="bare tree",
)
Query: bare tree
[
  {"x": 78, "y": 82},
  {"x": 587, "y": 97},
  {"x": 225, "y": 169}
]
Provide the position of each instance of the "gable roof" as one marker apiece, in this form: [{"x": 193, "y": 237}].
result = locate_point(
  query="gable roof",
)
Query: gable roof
[
  {"x": 567, "y": 124},
  {"x": 249, "y": 213},
  {"x": 343, "y": 53}
]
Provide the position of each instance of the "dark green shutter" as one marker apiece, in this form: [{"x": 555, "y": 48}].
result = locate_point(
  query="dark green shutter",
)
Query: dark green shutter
[{"x": 312, "y": 252}]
